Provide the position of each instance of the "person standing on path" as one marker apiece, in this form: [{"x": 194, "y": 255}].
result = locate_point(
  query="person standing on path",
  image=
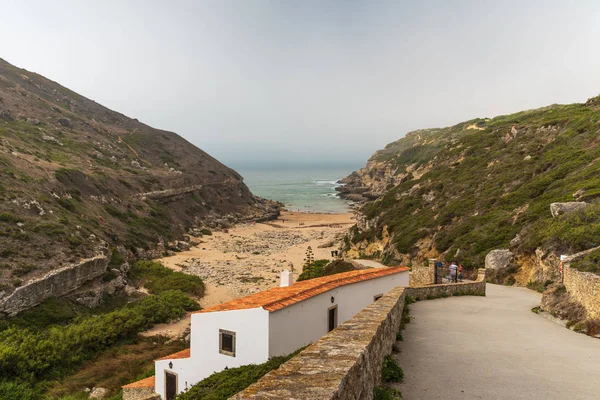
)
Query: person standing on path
[{"x": 453, "y": 272}]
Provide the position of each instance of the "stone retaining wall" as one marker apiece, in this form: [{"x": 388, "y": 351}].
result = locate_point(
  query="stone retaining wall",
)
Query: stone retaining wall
[
  {"x": 421, "y": 275},
  {"x": 475, "y": 288},
  {"x": 344, "y": 364},
  {"x": 347, "y": 362},
  {"x": 54, "y": 284},
  {"x": 584, "y": 287},
  {"x": 140, "y": 394}
]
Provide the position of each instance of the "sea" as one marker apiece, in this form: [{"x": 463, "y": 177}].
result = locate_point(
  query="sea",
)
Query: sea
[{"x": 300, "y": 188}]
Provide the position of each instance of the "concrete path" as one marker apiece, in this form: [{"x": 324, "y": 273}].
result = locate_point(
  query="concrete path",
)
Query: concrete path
[
  {"x": 370, "y": 263},
  {"x": 494, "y": 347}
]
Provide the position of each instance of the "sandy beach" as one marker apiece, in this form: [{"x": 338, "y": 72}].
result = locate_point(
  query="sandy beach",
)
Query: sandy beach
[{"x": 249, "y": 258}]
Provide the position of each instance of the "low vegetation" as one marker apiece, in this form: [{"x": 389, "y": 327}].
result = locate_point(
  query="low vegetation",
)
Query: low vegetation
[
  {"x": 224, "y": 384},
  {"x": 588, "y": 263},
  {"x": 323, "y": 267},
  {"x": 157, "y": 279},
  {"x": 386, "y": 393},
  {"x": 29, "y": 357},
  {"x": 481, "y": 186},
  {"x": 130, "y": 361}
]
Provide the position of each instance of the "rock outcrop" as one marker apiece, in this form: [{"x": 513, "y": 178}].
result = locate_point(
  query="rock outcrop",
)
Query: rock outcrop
[
  {"x": 499, "y": 259},
  {"x": 557, "y": 209},
  {"x": 56, "y": 283}
]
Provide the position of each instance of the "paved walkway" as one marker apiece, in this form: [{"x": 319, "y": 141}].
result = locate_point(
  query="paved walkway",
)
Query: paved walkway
[
  {"x": 495, "y": 348},
  {"x": 370, "y": 263}
]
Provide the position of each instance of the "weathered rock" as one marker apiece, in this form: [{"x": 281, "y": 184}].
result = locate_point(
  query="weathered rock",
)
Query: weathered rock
[
  {"x": 179, "y": 245},
  {"x": 354, "y": 197},
  {"x": 33, "y": 121},
  {"x": 98, "y": 393},
  {"x": 557, "y": 301},
  {"x": 578, "y": 194},
  {"x": 565, "y": 208},
  {"x": 6, "y": 115},
  {"x": 499, "y": 259},
  {"x": 56, "y": 283},
  {"x": 66, "y": 122}
]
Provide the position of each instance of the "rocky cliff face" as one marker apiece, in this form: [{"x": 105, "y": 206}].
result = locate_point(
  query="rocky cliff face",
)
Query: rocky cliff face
[
  {"x": 75, "y": 175},
  {"x": 481, "y": 185}
]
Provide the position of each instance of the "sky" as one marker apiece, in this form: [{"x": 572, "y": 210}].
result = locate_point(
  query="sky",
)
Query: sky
[{"x": 257, "y": 81}]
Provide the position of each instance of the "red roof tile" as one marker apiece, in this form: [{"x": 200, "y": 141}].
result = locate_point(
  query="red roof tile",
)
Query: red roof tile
[
  {"x": 180, "y": 354},
  {"x": 144, "y": 383},
  {"x": 280, "y": 297}
]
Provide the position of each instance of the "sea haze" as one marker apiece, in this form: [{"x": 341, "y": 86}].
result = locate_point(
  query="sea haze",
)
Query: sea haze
[{"x": 305, "y": 188}]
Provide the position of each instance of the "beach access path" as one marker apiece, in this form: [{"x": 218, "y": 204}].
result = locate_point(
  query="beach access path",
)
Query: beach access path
[{"x": 494, "y": 347}]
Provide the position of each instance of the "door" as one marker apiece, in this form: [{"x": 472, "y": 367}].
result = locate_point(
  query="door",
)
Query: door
[
  {"x": 331, "y": 319},
  {"x": 170, "y": 386}
]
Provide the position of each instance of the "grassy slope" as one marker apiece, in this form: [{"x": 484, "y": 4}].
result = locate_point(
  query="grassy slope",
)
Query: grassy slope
[
  {"x": 487, "y": 189},
  {"x": 70, "y": 168}
]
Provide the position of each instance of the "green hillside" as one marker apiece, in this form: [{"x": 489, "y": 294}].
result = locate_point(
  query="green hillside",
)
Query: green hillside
[{"x": 464, "y": 190}]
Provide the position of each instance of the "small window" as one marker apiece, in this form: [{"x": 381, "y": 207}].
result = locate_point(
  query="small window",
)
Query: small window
[
  {"x": 227, "y": 342},
  {"x": 377, "y": 297}
]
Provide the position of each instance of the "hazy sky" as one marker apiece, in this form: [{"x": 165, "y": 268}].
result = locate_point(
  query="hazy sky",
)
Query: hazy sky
[{"x": 308, "y": 80}]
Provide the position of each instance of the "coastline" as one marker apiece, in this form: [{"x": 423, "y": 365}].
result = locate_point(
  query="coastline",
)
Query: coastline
[{"x": 249, "y": 257}]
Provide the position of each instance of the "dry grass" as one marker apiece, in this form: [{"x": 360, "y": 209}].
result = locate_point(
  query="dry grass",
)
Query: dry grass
[{"x": 117, "y": 367}]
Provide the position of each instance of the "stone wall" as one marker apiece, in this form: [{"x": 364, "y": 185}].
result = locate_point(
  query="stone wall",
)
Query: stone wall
[
  {"x": 476, "y": 288},
  {"x": 584, "y": 287},
  {"x": 347, "y": 362},
  {"x": 422, "y": 274},
  {"x": 54, "y": 284},
  {"x": 140, "y": 394},
  {"x": 344, "y": 364}
]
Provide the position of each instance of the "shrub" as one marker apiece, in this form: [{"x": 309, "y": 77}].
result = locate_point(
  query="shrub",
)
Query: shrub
[
  {"x": 18, "y": 390},
  {"x": 391, "y": 371},
  {"x": 384, "y": 393},
  {"x": 314, "y": 270},
  {"x": 158, "y": 278},
  {"x": 206, "y": 231},
  {"x": 7, "y": 217},
  {"x": 589, "y": 263},
  {"x": 34, "y": 355},
  {"x": 224, "y": 384}
]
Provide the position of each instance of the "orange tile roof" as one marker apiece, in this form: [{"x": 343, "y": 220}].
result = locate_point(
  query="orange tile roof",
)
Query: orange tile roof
[
  {"x": 280, "y": 297},
  {"x": 180, "y": 354},
  {"x": 144, "y": 383}
]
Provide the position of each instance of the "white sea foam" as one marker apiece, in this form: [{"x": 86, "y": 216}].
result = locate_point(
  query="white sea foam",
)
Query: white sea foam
[{"x": 326, "y": 182}]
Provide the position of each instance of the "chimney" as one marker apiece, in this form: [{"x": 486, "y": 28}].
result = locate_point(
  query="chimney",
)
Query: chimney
[{"x": 287, "y": 278}]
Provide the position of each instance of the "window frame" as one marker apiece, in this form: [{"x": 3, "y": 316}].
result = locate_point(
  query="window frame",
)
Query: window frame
[
  {"x": 233, "y": 347},
  {"x": 335, "y": 314}
]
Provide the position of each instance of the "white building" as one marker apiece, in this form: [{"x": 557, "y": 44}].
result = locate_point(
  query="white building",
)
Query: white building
[{"x": 276, "y": 322}]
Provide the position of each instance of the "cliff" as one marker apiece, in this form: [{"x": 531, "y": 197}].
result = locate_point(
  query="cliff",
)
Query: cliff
[
  {"x": 485, "y": 184},
  {"x": 75, "y": 176}
]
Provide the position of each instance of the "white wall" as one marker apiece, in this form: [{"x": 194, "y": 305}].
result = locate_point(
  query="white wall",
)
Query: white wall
[
  {"x": 252, "y": 346},
  {"x": 302, "y": 323},
  {"x": 181, "y": 367}
]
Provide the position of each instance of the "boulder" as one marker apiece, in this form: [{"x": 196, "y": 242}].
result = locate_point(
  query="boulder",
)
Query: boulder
[
  {"x": 98, "y": 393},
  {"x": 499, "y": 259},
  {"x": 557, "y": 209},
  {"x": 6, "y": 115},
  {"x": 66, "y": 122}
]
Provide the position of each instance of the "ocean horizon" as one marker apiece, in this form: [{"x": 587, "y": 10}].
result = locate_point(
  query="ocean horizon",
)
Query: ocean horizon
[{"x": 302, "y": 188}]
